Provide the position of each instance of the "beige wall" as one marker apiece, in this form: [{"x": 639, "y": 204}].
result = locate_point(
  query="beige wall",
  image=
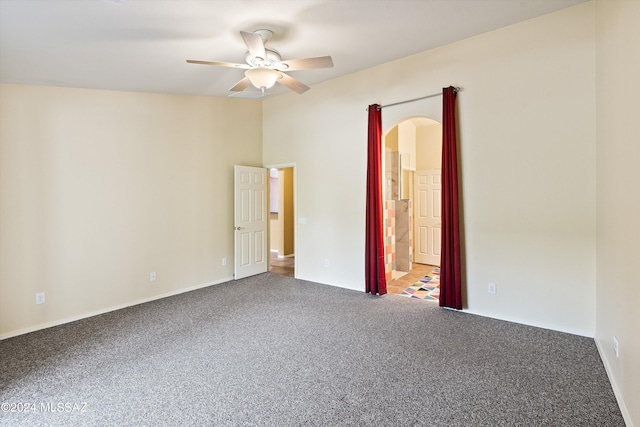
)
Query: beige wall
[
  {"x": 618, "y": 213},
  {"x": 429, "y": 147},
  {"x": 286, "y": 189},
  {"x": 407, "y": 145},
  {"x": 99, "y": 188},
  {"x": 527, "y": 142},
  {"x": 391, "y": 139}
]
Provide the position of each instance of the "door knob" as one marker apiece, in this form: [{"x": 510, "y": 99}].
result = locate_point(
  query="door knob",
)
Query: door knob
[{"x": 237, "y": 228}]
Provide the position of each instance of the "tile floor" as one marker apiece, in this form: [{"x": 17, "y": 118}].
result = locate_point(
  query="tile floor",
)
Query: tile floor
[{"x": 418, "y": 271}]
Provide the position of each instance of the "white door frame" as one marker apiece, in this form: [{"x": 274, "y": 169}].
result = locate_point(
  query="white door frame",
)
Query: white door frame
[{"x": 294, "y": 166}]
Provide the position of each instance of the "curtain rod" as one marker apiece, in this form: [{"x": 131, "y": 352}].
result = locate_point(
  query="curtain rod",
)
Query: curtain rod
[{"x": 456, "y": 88}]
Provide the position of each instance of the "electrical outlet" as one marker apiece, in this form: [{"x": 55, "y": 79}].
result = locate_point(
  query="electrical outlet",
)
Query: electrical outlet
[
  {"x": 615, "y": 346},
  {"x": 492, "y": 288},
  {"x": 152, "y": 276},
  {"x": 40, "y": 298},
  {"x": 224, "y": 261},
  {"x": 326, "y": 263}
]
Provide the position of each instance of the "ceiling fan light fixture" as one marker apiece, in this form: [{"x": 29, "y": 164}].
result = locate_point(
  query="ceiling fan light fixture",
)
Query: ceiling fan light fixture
[
  {"x": 264, "y": 66},
  {"x": 262, "y": 77}
]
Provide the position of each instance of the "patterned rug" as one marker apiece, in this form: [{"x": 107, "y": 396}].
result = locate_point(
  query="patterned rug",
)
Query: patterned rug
[{"x": 427, "y": 288}]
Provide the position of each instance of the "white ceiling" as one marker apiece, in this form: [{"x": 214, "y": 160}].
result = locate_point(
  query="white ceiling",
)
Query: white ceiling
[{"x": 142, "y": 45}]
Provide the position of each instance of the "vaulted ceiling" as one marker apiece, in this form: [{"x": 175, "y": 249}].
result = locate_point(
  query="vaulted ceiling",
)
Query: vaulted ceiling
[{"x": 142, "y": 45}]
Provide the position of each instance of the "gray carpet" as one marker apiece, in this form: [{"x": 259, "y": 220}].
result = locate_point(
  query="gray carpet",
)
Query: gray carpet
[{"x": 275, "y": 351}]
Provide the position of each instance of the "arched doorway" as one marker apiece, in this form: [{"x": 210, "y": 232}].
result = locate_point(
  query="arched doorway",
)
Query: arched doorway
[{"x": 412, "y": 161}]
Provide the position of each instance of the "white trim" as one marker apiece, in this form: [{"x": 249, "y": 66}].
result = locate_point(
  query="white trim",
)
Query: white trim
[
  {"x": 580, "y": 332},
  {"x": 107, "y": 310},
  {"x": 616, "y": 390}
]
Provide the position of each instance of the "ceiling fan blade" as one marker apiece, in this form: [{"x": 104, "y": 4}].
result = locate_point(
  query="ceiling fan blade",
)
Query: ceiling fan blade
[
  {"x": 254, "y": 44},
  {"x": 305, "y": 64},
  {"x": 241, "y": 85},
  {"x": 293, "y": 84},
  {"x": 220, "y": 64}
]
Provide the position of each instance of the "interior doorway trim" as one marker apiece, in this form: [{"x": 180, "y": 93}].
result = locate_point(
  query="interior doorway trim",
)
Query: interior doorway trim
[{"x": 293, "y": 166}]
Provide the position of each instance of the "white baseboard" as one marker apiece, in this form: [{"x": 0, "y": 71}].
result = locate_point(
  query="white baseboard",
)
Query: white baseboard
[
  {"x": 616, "y": 390},
  {"x": 580, "y": 332},
  {"x": 107, "y": 310}
]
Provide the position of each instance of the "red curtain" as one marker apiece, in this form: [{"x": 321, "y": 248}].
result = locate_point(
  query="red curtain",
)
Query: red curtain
[
  {"x": 375, "y": 279},
  {"x": 450, "y": 267}
]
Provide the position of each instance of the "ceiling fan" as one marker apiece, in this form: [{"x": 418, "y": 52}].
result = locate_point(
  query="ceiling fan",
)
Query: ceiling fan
[{"x": 264, "y": 66}]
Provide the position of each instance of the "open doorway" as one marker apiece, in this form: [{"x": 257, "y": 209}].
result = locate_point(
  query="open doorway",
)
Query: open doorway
[
  {"x": 282, "y": 221},
  {"x": 412, "y": 163}
]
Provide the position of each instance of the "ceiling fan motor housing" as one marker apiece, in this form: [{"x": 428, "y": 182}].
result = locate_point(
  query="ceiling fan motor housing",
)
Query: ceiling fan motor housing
[
  {"x": 265, "y": 34},
  {"x": 272, "y": 59}
]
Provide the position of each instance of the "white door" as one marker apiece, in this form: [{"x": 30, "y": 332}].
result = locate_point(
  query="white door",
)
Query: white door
[
  {"x": 428, "y": 219},
  {"x": 250, "y": 229}
]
